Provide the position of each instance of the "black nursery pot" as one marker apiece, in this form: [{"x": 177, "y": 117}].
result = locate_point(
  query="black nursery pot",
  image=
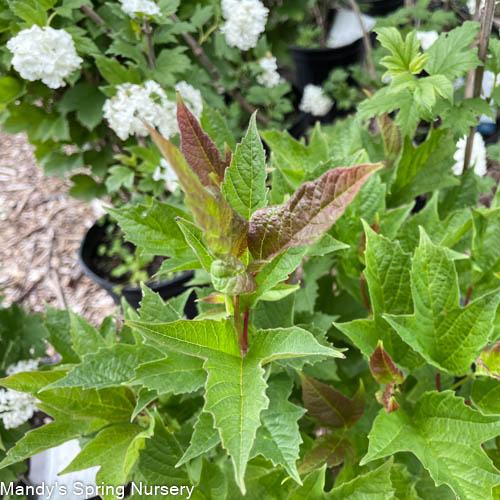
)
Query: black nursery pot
[
  {"x": 132, "y": 294},
  {"x": 379, "y": 7},
  {"x": 314, "y": 65}
]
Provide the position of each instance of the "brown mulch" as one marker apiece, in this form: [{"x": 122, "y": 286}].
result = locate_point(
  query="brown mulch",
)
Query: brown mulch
[{"x": 41, "y": 228}]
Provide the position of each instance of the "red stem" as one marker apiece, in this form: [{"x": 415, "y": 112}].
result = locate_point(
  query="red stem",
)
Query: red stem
[
  {"x": 438, "y": 381},
  {"x": 469, "y": 293}
]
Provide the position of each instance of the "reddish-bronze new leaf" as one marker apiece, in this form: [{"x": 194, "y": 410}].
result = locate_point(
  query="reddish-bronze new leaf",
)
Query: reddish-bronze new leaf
[
  {"x": 224, "y": 230},
  {"x": 329, "y": 406},
  {"x": 311, "y": 211},
  {"x": 200, "y": 152},
  {"x": 383, "y": 369}
]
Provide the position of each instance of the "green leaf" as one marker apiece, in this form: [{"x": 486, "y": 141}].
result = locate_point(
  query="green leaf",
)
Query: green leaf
[
  {"x": 58, "y": 325},
  {"x": 21, "y": 336},
  {"x": 446, "y": 436},
  {"x": 279, "y": 269},
  {"x": 156, "y": 465},
  {"x": 373, "y": 485},
  {"x": 152, "y": 227},
  {"x": 388, "y": 278},
  {"x": 230, "y": 277},
  {"x": 30, "y": 11},
  {"x": 423, "y": 168},
  {"x": 404, "y": 54},
  {"x": 451, "y": 54},
  {"x": 194, "y": 238},
  {"x": 115, "y": 449},
  {"x": 86, "y": 339},
  {"x": 235, "y": 385},
  {"x": 204, "y": 438},
  {"x": 224, "y": 230},
  {"x": 87, "y": 101},
  {"x": 114, "y": 73},
  {"x": 110, "y": 366},
  {"x": 86, "y": 187},
  {"x": 48, "y": 436},
  {"x": 485, "y": 250},
  {"x": 199, "y": 150},
  {"x": 329, "y": 406},
  {"x": 216, "y": 127},
  {"x": 278, "y": 439},
  {"x": 486, "y": 395},
  {"x": 10, "y": 89},
  {"x": 177, "y": 373},
  {"x": 445, "y": 334},
  {"x": 244, "y": 185},
  {"x": 119, "y": 176},
  {"x": 309, "y": 213},
  {"x": 293, "y": 158}
]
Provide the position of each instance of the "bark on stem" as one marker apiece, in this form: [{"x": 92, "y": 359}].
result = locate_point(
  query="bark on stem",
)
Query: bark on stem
[
  {"x": 92, "y": 14},
  {"x": 484, "y": 37},
  {"x": 148, "y": 31}
]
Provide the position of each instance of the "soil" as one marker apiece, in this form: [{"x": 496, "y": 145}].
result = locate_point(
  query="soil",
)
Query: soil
[{"x": 41, "y": 228}]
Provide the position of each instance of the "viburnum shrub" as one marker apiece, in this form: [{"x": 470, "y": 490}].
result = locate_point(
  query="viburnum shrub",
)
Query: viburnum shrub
[
  {"x": 74, "y": 73},
  {"x": 345, "y": 347},
  {"x": 347, "y": 341}
]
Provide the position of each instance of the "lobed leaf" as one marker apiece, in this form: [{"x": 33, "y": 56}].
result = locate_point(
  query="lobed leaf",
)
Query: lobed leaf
[{"x": 446, "y": 436}]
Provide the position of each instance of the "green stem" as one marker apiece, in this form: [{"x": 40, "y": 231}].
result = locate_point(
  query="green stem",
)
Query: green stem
[
  {"x": 49, "y": 20},
  {"x": 456, "y": 385}
]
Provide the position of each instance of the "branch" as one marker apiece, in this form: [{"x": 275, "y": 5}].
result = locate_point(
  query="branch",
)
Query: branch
[
  {"x": 484, "y": 37},
  {"x": 92, "y": 14},
  {"x": 147, "y": 30},
  {"x": 366, "y": 40},
  {"x": 207, "y": 63}
]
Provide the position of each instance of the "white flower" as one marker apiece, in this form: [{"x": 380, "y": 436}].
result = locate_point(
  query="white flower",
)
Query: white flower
[
  {"x": 133, "y": 7},
  {"x": 17, "y": 407},
  {"x": 314, "y": 101},
  {"x": 269, "y": 77},
  {"x": 166, "y": 173},
  {"x": 346, "y": 28},
  {"x": 427, "y": 38},
  {"x": 134, "y": 103},
  {"x": 478, "y": 156},
  {"x": 191, "y": 97},
  {"x": 245, "y": 21},
  {"x": 44, "y": 54}
]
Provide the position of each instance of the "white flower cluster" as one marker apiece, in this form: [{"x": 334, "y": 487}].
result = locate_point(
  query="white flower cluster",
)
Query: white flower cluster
[
  {"x": 44, "y": 54},
  {"x": 133, "y": 7},
  {"x": 478, "y": 156},
  {"x": 245, "y": 21},
  {"x": 166, "y": 173},
  {"x": 269, "y": 77},
  {"x": 17, "y": 407},
  {"x": 134, "y": 103},
  {"x": 314, "y": 101},
  {"x": 427, "y": 38}
]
